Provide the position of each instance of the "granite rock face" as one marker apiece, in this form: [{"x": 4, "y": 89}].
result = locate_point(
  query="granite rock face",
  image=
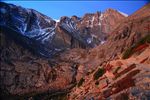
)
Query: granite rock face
[{"x": 100, "y": 24}]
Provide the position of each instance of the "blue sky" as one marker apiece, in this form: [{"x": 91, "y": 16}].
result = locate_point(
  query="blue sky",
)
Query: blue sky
[{"x": 56, "y": 9}]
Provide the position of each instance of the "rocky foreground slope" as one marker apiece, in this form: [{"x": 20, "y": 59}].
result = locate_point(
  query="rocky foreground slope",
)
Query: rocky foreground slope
[
  {"x": 111, "y": 70},
  {"x": 120, "y": 79}
]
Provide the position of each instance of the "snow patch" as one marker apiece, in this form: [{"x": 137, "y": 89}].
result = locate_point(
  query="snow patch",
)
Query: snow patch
[
  {"x": 93, "y": 36},
  {"x": 57, "y": 20},
  {"x": 124, "y": 14},
  {"x": 101, "y": 17},
  {"x": 48, "y": 20},
  {"x": 25, "y": 27},
  {"x": 102, "y": 42},
  {"x": 99, "y": 23},
  {"x": 48, "y": 37},
  {"x": 57, "y": 49},
  {"x": 92, "y": 21},
  {"x": 89, "y": 40}
]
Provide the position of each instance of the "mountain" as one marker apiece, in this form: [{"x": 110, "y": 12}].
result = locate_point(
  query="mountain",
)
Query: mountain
[
  {"x": 106, "y": 62},
  {"x": 48, "y": 37},
  {"x": 37, "y": 28},
  {"x": 114, "y": 69},
  {"x": 95, "y": 27},
  {"x": 100, "y": 24},
  {"x": 125, "y": 35}
]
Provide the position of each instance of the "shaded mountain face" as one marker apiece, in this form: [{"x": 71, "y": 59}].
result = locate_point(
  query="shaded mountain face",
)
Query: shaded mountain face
[
  {"x": 48, "y": 37},
  {"x": 37, "y": 30},
  {"x": 24, "y": 74}
]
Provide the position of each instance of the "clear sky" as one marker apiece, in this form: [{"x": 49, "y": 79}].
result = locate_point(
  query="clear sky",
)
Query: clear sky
[{"x": 56, "y": 9}]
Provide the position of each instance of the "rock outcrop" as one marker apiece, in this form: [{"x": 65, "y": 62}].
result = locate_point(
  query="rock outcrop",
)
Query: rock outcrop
[{"x": 122, "y": 80}]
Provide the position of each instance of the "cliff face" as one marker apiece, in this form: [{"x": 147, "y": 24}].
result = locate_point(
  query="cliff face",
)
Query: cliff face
[
  {"x": 24, "y": 74},
  {"x": 100, "y": 24},
  {"x": 97, "y": 26},
  {"x": 67, "y": 30}
]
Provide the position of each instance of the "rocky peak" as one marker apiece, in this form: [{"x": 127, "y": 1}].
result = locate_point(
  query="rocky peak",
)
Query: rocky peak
[
  {"x": 90, "y": 30},
  {"x": 95, "y": 19},
  {"x": 75, "y": 18},
  {"x": 142, "y": 12},
  {"x": 64, "y": 19},
  {"x": 40, "y": 29},
  {"x": 89, "y": 19},
  {"x": 110, "y": 10},
  {"x": 99, "y": 24}
]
